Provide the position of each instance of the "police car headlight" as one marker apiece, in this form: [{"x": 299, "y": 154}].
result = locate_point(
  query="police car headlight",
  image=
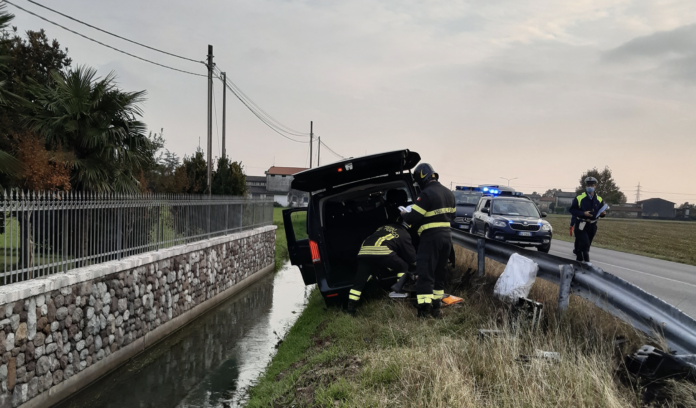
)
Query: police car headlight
[
  {"x": 546, "y": 227},
  {"x": 499, "y": 223}
]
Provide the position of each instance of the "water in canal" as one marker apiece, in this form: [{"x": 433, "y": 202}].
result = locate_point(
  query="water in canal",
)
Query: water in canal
[{"x": 212, "y": 361}]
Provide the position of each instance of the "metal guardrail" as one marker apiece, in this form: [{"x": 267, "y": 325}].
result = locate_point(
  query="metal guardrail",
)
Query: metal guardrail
[
  {"x": 43, "y": 233},
  {"x": 622, "y": 299}
]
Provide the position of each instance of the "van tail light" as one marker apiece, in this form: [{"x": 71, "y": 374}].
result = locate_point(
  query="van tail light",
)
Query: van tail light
[{"x": 315, "y": 251}]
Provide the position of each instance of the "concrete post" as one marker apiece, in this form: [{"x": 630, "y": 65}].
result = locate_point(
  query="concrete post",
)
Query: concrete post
[
  {"x": 567, "y": 275},
  {"x": 481, "y": 251}
]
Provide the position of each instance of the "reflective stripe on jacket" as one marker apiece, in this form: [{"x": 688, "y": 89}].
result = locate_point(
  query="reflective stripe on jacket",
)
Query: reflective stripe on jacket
[
  {"x": 390, "y": 238},
  {"x": 583, "y": 203},
  {"x": 434, "y": 208}
]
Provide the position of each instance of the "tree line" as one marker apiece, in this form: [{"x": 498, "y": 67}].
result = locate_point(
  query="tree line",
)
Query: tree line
[{"x": 63, "y": 127}]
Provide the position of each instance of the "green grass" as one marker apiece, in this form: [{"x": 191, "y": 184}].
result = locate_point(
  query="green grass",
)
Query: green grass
[
  {"x": 668, "y": 240},
  {"x": 10, "y": 238},
  {"x": 386, "y": 357}
]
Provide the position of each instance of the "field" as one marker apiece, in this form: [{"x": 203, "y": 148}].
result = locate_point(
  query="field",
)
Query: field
[
  {"x": 668, "y": 240},
  {"x": 385, "y": 357}
]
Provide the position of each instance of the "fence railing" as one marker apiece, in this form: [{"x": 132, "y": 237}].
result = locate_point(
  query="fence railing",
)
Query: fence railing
[{"x": 42, "y": 233}]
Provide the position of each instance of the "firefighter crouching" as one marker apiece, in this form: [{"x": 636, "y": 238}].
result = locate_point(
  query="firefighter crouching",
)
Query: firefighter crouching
[
  {"x": 585, "y": 210},
  {"x": 387, "y": 250},
  {"x": 431, "y": 216}
]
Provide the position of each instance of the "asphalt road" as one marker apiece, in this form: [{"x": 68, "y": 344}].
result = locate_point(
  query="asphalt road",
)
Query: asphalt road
[{"x": 672, "y": 282}]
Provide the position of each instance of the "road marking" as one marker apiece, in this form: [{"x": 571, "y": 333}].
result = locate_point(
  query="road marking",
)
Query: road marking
[{"x": 633, "y": 270}]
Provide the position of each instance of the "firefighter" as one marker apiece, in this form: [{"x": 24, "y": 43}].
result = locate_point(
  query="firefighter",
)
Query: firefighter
[
  {"x": 585, "y": 210},
  {"x": 389, "y": 249},
  {"x": 431, "y": 215}
]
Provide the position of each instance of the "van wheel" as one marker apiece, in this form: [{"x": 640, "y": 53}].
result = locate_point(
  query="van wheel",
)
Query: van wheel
[
  {"x": 544, "y": 248},
  {"x": 472, "y": 229},
  {"x": 486, "y": 232}
]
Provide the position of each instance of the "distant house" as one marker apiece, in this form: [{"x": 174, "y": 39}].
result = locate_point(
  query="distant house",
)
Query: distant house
[
  {"x": 624, "y": 211},
  {"x": 256, "y": 186},
  {"x": 563, "y": 200},
  {"x": 534, "y": 197},
  {"x": 657, "y": 208},
  {"x": 278, "y": 180},
  {"x": 545, "y": 203}
]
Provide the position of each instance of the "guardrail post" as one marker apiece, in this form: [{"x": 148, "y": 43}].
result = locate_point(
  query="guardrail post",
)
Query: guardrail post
[
  {"x": 481, "y": 251},
  {"x": 567, "y": 275}
]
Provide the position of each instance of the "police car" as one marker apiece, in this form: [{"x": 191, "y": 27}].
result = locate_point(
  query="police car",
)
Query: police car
[
  {"x": 466, "y": 199},
  {"x": 511, "y": 217}
]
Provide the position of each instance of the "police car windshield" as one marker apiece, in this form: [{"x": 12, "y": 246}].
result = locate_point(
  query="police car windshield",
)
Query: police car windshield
[
  {"x": 515, "y": 207},
  {"x": 467, "y": 197}
]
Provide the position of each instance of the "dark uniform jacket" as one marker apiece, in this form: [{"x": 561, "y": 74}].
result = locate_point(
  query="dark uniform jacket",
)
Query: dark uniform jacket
[
  {"x": 391, "y": 239},
  {"x": 434, "y": 209},
  {"x": 583, "y": 203}
]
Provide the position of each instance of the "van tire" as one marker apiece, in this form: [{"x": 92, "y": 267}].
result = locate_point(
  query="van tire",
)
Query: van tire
[{"x": 486, "y": 232}]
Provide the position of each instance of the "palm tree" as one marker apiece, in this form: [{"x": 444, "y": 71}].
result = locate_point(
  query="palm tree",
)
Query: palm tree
[{"x": 91, "y": 119}]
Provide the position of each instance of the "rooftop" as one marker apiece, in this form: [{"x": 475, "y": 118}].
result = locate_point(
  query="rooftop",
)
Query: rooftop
[
  {"x": 654, "y": 199},
  {"x": 256, "y": 178},
  {"x": 285, "y": 171}
]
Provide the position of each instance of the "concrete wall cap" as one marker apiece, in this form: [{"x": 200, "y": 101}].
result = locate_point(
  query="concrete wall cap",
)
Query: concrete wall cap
[{"x": 26, "y": 289}]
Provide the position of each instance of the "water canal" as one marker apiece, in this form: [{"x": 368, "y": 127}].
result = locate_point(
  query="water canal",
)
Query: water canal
[{"x": 212, "y": 361}]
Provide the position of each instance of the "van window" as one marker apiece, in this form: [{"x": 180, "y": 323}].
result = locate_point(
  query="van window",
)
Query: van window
[{"x": 299, "y": 225}]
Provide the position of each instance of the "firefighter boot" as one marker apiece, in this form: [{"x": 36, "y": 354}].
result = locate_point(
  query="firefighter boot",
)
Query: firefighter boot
[
  {"x": 437, "y": 305},
  {"x": 425, "y": 310},
  {"x": 351, "y": 307}
]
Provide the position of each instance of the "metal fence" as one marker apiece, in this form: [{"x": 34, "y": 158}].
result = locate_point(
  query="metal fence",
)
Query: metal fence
[{"x": 42, "y": 233}]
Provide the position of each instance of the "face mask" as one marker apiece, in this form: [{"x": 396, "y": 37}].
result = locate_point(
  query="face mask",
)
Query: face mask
[{"x": 590, "y": 190}]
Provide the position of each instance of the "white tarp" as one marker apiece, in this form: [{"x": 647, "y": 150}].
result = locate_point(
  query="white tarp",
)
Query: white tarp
[{"x": 517, "y": 279}]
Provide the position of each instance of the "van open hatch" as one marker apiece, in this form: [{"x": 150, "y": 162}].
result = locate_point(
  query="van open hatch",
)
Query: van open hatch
[{"x": 355, "y": 169}]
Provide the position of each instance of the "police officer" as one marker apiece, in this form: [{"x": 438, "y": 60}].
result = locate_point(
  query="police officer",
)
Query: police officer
[
  {"x": 387, "y": 249},
  {"x": 431, "y": 215},
  {"x": 585, "y": 210}
]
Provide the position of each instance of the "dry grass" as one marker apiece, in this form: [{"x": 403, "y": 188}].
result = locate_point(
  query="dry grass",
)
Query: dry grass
[
  {"x": 386, "y": 357},
  {"x": 669, "y": 240}
]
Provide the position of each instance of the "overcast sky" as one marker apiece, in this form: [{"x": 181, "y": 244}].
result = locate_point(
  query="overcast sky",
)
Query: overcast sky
[{"x": 539, "y": 90}]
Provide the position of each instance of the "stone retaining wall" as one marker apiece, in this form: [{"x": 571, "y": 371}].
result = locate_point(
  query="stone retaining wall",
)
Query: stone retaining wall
[{"x": 58, "y": 333}]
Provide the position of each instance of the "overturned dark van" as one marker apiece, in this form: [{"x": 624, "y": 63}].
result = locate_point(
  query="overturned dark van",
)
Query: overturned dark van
[{"x": 348, "y": 201}]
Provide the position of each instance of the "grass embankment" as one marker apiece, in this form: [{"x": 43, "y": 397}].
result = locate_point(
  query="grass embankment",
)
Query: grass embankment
[
  {"x": 668, "y": 240},
  {"x": 299, "y": 221},
  {"x": 386, "y": 357}
]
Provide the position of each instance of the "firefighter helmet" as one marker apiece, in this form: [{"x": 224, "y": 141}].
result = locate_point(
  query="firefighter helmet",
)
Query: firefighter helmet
[{"x": 423, "y": 173}]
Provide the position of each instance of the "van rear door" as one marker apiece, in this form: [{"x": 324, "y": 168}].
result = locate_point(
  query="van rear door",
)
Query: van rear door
[
  {"x": 354, "y": 169},
  {"x": 295, "y": 222}
]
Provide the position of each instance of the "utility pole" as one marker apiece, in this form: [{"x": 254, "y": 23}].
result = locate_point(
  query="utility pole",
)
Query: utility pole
[
  {"x": 319, "y": 152},
  {"x": 210, "y": 118},
  {"x": 224, "y": 112},
  {"x": 638, "y": 192},
  {"x": 311, "y": 138}
]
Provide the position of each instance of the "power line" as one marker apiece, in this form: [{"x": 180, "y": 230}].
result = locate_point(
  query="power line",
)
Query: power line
[
  {"x": 112, "y": 34},
  {"x": 331, "y": 150},
  {"x": 259, "y": 116},
  {"x": 102, "y": 44},
  {"x": 665, "y": 192},
  {"x": 270, "y": 118}
]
